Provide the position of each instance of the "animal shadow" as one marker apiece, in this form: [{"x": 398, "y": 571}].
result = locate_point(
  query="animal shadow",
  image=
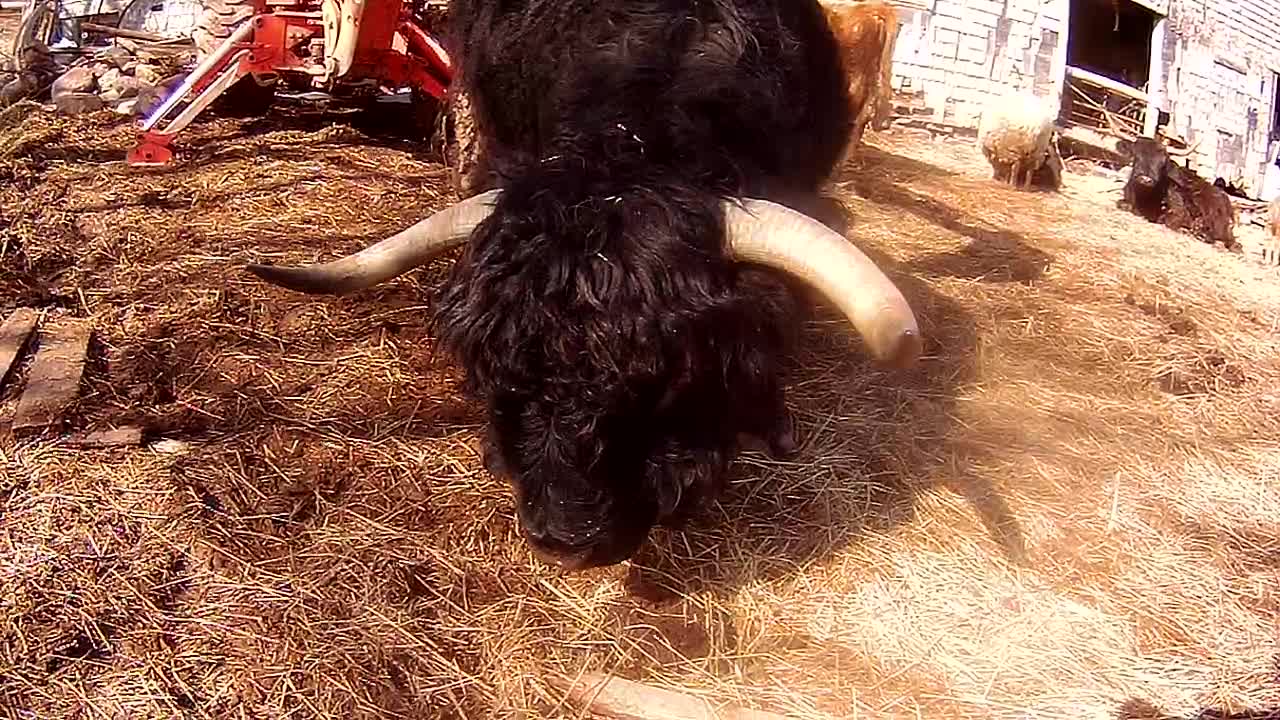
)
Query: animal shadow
[
  {"x": 1135, "y": 709},
  {"x": 391, "y": 125},
  {"x": 873, "y": 440},
  {"x": 993, "y": 254}
]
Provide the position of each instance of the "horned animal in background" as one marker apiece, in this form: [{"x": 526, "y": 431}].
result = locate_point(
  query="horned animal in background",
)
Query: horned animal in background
[
  {"x": 1231, "y": 188},
  {"x": 866, "y": 32},
  {"x": 622, "y": 304},
  {"x": 1016, "y": 135},
  {"x": 1161, "y": 191},
  {"x": 1271, "y": 249}
]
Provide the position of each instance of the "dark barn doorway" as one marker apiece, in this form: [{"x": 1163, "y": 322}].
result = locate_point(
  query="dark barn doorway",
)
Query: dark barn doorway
[
  {"x": 1108, "y": 65},
  {"x": 1112, "y": 38}
]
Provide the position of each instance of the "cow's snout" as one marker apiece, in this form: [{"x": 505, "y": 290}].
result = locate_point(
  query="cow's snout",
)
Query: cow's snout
[
  {"x": 1144, "y": 180},
  {"x": 600, "y": 554},
  {"x": 572, "y": 547}
]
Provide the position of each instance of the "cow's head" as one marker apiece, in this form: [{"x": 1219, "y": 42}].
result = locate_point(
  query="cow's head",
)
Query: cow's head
[
  {"x": 1152, "y": 162},
  {"x": 567, "y": 515}
]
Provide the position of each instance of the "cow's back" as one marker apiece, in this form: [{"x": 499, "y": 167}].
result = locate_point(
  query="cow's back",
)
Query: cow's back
[
  {"x": 866, "y": 32},
  {"x": 1202, "y": 209},
  {"x": 730, "y": 95}
]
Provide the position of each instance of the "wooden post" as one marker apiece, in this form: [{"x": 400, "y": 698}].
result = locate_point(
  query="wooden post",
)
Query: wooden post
[
  {"x": 1155, "y": 79},
  {"x": 1058, "y": 67}
]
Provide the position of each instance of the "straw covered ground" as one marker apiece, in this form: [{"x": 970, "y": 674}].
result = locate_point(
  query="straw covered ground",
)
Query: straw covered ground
[{"x": 1070, "y": 509}]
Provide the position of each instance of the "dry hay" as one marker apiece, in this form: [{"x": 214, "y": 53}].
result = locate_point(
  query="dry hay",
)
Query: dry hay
[
  {"x": 10, "y": 19},
  {"x": 1071, "y": 504}
]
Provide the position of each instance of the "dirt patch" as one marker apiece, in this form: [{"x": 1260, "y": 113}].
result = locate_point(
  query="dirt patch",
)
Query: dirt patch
[{"x": 1039, "y": 521}]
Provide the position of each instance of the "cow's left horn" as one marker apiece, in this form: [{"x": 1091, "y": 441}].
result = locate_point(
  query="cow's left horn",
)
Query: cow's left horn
[
  {"x": 770, "y": 234},
  {"x": 384, "y": 260}
]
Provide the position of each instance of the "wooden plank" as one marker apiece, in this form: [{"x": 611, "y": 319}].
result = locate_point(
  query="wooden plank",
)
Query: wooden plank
[
  {"x": 1106, "y": 83},
  {"x": 122, "y": 32},
  {"x": 13, "y": 337},
  {"x": 620, "y": 699},
  {"x": 120, "y": 437},
  {"x": 55, "y": 375}
]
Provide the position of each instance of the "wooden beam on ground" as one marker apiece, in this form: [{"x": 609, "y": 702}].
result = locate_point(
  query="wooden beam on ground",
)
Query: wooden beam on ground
[
  {"x": 122, "y": 32},
  {"x": 14, "y": 335},
  {"x": 120, "y": 437},
  {"x": 619, "y": 699},
  {"x": 55, "y": 375},
  {"x": 934, "y": 127}
]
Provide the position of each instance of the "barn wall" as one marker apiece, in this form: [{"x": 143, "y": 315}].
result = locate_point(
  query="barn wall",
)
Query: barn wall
[
  {"x": 959, "y": 53},
  {"x": 1219, "y": 59},
  {"x": 1221, "y": 84}
]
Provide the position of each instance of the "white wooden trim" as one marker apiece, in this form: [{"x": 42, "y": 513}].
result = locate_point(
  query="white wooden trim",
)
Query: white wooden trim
[
  {"x": 1059, "y": 66},
  {"x": 1153, "y": 6},
  {"x": 1108, "y": 83},
  {"x": 1155, "y": 79}
]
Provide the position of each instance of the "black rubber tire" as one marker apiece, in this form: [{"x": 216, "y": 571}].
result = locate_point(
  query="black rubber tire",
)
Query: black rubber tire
[{"x": 250, "y": 96}]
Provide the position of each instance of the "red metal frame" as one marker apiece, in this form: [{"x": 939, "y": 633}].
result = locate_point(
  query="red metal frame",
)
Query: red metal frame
[
  {"x": 266, "y": 50},
  {"x": 152, "y": 149}
]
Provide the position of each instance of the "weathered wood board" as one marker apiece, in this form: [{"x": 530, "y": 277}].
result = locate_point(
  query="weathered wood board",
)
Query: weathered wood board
[
  {"x": 620, "y": 699},
  {"x": 55, "y": 374},
  {"x": 14, "y": 335},
  {"x": 120, "y": 437}
]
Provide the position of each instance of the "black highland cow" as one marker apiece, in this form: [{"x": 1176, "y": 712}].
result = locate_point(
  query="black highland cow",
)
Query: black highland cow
[
  {"x": 1163, "y": 192},
  {"x": 623, "y": 303}
]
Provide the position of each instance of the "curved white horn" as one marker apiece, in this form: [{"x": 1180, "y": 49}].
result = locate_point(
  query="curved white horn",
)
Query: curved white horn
[
  {"x": 770, "y": 234},
  {"x": 1184, "y": 152},
  {"x": 384, "y": 260}
]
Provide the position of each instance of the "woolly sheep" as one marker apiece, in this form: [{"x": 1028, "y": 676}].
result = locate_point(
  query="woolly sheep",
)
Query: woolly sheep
[{"x": 1016, "y": 135}]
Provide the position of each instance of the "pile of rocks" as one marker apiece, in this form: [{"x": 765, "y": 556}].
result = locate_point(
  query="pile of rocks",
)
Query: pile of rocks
[
  {"x": 126, "y": 77},
  {"x": 129, "y": 83}
]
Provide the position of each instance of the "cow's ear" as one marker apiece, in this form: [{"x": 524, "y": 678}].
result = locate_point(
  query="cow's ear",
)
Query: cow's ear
[{"x": 1125, "y": 147}]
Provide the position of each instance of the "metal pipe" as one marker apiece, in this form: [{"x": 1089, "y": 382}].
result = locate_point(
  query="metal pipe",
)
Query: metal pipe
[
  {"x": 230, "y": 74},
  {"x": 241, "y": 33}
]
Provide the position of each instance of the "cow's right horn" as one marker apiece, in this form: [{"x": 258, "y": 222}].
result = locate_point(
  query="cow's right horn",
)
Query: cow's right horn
[
  {"x": 770, "y": 234},
  {"x": 384, "y": 260}
]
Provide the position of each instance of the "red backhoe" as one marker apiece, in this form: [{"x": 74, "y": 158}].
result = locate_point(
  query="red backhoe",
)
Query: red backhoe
[{"x": 347, "y": 52}]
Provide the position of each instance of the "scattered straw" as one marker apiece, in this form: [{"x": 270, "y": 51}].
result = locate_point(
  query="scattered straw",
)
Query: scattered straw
[{"x": 1070, "y": 504}]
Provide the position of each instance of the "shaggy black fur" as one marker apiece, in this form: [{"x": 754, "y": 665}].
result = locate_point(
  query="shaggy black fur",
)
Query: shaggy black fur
[
  {"x": 618, "y": 348},
  {"x": 1161, "y": 191}
]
